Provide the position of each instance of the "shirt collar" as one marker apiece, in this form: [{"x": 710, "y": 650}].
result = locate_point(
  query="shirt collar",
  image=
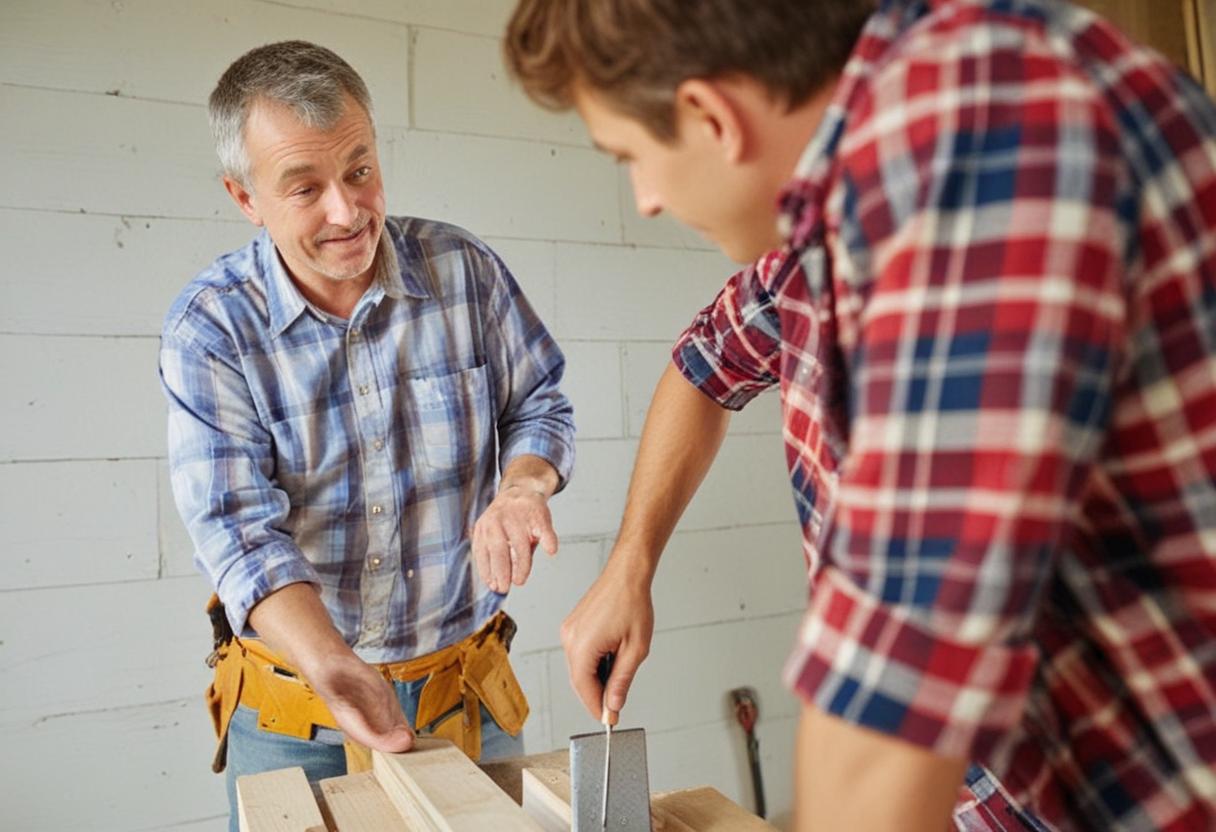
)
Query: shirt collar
[{"x": 285, "y": 302}]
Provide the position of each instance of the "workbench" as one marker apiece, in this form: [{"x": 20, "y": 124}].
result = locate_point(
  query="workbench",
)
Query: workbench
[{"x": 436, "y": 787}]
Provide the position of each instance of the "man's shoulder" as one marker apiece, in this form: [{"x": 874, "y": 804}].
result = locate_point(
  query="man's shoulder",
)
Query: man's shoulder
[
  {"x": 433, "y": 237},
  {"x": 214, "y": 297}
]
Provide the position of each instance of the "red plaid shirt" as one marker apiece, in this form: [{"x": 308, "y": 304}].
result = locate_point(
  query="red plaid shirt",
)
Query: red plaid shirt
[{"x": 994, "y": 327}]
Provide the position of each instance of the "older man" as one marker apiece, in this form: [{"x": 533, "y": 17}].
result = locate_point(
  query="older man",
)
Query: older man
[{"x": 343, "y": 393}]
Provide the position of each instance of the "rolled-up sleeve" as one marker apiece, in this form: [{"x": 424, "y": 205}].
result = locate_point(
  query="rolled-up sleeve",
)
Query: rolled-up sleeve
[
  {"x": 731, "y": 350},
  {"x": 980, "y": 388},
  {"x": 221, "y": 464},
  {"x": 534, "y": 417}
]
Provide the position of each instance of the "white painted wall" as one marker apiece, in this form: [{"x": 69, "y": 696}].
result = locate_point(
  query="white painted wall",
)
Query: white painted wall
[{"x": 109, "y": 203}]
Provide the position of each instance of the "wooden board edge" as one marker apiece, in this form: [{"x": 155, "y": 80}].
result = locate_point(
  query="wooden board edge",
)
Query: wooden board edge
[
  {"x": 277, "y": 801},
  {"x": 357, "y": 803}
]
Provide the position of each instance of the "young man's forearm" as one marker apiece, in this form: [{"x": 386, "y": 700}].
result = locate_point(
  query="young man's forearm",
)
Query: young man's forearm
[
  {"x": 679, "y": 441},
  {"x": 683, "y": 431}
]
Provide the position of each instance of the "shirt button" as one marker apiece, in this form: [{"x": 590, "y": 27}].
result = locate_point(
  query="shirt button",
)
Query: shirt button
[
  {"x": 363, "y": 389},
  {"x": 409, "y": 573},
  {"x": 354, "y": 334},
  {"x": 377, "y": 509},
  {"x": 378, "y": 444},
  {"x": 374, "y": 561}
]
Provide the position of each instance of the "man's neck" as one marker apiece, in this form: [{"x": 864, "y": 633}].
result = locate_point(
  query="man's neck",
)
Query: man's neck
[
  {"x": 337, "y": 297},
  {"x": 334, "y": 297},
  {"x": 797, "y": 127}
]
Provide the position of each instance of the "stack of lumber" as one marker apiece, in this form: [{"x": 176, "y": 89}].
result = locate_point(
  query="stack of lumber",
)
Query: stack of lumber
[{"x": 437, "y": 788}]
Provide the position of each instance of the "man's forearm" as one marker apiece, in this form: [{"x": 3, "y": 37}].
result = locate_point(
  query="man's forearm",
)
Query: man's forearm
[
  {"x": 848, "y": 777},
  {"x": 683, "y": 431},
  {"x": 295, "y": 624},
  {"x": 530, "y": 472}
]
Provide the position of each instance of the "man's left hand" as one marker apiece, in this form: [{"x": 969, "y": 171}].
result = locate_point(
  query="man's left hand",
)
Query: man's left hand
[{"x": 505, "y": 536}]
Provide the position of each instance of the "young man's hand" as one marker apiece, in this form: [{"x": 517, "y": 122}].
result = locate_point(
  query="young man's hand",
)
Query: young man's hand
[
  {"x": 615, "y": 616},
  {"x": 506, "y": 534}
]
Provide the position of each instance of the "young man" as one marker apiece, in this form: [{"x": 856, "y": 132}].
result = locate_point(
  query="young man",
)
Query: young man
[
  {"x": 343, "y": 392},
  {"x": 991, "y": 309}
]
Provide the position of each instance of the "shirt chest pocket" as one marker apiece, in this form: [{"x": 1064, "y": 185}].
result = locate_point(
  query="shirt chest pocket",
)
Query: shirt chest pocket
[{"x": 449, "y": 419}]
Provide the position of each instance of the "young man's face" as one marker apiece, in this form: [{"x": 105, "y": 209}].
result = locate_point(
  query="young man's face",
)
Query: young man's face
[
  {"x": 732, "y": 205},
  {"x": 318, "y": 192}
]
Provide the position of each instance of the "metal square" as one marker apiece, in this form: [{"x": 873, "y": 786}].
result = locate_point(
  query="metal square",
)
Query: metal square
[{"x": 628, "y": 782}]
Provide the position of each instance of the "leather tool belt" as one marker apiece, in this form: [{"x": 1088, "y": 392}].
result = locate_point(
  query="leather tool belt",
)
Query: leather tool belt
[{"x": 459, "y": 678}]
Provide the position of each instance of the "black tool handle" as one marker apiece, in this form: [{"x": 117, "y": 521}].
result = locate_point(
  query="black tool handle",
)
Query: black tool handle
[
  {"x": 603, "y": 670},
  {"x": 753, "y": 757}
]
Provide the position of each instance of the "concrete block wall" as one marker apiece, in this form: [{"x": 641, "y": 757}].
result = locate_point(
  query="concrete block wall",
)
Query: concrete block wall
[{"x": 110, "y": 202}]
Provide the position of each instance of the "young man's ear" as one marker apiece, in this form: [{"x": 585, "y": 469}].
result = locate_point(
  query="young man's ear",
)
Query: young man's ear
[
  {"x": 243, "y": 198},
  {"x": 708, "y": 108}
]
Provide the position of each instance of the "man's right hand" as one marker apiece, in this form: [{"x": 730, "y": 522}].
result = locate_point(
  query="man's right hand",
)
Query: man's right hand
[
  {"x": 682, "y": 434},
  {"x": 294, "y": 623},
  {"x": 615, "y": 616},
  {"x": 363, "y": 703}
]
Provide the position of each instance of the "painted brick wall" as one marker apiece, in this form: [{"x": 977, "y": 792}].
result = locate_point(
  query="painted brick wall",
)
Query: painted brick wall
[{"x": 110, "y": 203}]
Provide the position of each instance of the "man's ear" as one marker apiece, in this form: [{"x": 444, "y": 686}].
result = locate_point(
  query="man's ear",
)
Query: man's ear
[
  {"x": 706, "y": 108},
  {"x": 243, "y": 198}
]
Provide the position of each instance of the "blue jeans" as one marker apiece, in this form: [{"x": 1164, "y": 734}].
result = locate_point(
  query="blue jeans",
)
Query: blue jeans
[{"x": 252, "y": 750}]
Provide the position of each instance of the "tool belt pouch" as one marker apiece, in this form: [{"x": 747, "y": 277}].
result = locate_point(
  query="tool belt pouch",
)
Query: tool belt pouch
[
  {"x": 222, "y": 697},
  {"x": 449, "y": 705},
  {"x": 224, "y": 692},
  {"x": 474, "y": 672},
  {"x": 247, "y": 672}
]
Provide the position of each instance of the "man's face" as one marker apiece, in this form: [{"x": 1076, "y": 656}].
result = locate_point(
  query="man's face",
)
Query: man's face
[
  {"x": 318, "y": 192},
  {"x": 732, "y": 205}
]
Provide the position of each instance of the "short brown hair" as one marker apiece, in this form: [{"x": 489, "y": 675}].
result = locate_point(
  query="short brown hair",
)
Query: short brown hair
[{"x": 636, "y": 52}]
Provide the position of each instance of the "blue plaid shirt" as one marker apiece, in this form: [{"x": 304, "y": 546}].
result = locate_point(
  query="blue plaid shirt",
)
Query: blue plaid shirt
[{"x": 357, "y": 454}]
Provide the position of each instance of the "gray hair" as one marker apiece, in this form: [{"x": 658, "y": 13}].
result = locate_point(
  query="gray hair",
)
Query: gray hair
[{"x": 310, "y": 79}]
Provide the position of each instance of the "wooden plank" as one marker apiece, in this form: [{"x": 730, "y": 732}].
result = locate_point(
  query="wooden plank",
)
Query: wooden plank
[
  {"x": 277, "y": 801},
  {"x": 507, "y": 774},
  {"x": 703, "y": 809},
  {"x": 546, "y": 798},
  {"x": 436, "y": 787},
  {"x": 356, "y": 803}
]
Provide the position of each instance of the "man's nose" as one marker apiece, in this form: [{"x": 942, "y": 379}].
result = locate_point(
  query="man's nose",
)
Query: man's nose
[
  {"x": 340, "y": 207},
  {"x": 644, "y": 197}
]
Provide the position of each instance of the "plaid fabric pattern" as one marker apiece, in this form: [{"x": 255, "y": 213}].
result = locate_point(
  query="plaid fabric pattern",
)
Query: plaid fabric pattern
[
  {"x": 357, "y": 454},
  {"x": 994, "y": 328}
]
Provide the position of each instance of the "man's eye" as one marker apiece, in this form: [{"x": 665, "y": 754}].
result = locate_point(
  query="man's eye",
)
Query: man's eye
[
  {"x": 363, "y": 172},
  {"x": 302, "y": 192}
]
